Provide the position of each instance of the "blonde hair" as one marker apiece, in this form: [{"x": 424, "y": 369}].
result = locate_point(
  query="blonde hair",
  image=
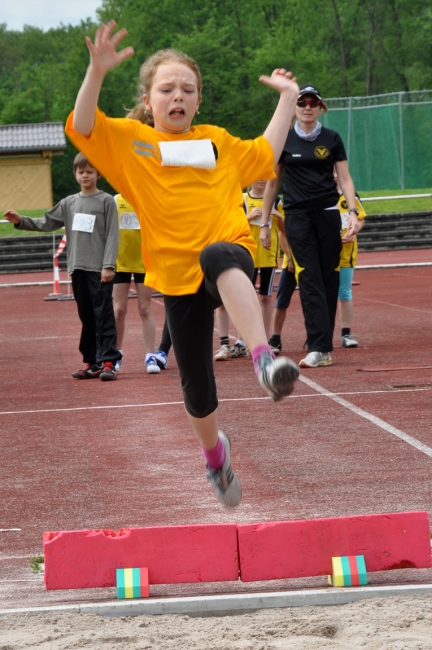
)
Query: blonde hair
[{"x": 147, "y": 73}]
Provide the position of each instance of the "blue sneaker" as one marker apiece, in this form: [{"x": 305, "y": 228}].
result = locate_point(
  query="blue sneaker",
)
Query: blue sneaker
[
  {"x": 119, "y": 362},
  {"x": 161, "y": 359},
  {"x": 151, "y": 364}
]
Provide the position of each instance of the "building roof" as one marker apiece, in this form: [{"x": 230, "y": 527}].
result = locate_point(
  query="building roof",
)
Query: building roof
[{"x": 24, "y": 138}]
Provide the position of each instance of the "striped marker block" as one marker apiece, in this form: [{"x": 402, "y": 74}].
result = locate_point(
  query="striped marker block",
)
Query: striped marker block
[
  {"x": 132, "y": 583},
  {"x": 348, "y": 571}
]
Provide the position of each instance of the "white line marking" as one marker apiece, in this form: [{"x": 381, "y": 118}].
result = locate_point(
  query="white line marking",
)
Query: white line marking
[
  {"x": 230, "y": 399},
  {"x": 10, "y": 530},
  {"x": 403, "y": 265},
  {"x": 391, "y": 304},
  {"x": 372, "y": 418},
  {"x": 27, "y": 580}
]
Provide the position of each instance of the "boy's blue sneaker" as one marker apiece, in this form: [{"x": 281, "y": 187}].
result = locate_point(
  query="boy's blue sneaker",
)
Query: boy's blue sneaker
[
  {"x": 90, "y": 371},
  {"x": 151, "y": 364},
  {"x": 118, "y": 363},
  {"x": 161, "y": 359}
]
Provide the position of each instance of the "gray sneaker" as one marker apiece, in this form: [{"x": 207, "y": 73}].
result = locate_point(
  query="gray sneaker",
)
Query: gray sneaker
[
  {"x": 239, "y": 350},
  {"x": 348, "y": 341},
  {"x": 277, "y": 376},
  {"x": 226, "y": 486}
]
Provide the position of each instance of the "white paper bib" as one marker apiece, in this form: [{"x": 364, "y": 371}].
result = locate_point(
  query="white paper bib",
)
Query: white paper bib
[
  {"x": 188, "y": 153},
  {"x": 83, "y": 222},
  {"x": 257, "y": 221},
  {"x": 129, "y": 221},
  {"x": 344, "y": 219}
]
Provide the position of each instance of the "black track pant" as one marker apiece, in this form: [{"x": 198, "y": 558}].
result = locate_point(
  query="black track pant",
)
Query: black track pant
[
  {"x": 191, "y": 323},
  {"x": 315, "y": 241},
  {"x": 98, "y": 341}
]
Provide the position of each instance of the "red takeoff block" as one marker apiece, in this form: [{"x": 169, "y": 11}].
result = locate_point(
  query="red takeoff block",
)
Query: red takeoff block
[
  {"x": 296, "y": 549},
  {"x": 89, "y": 558}
]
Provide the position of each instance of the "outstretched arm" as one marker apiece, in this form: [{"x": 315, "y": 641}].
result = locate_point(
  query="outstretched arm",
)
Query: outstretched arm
[
  {"x": 277, "y": 131},
  {"x": 12, "y": 216},
  {"x": 103, "y": 58}
]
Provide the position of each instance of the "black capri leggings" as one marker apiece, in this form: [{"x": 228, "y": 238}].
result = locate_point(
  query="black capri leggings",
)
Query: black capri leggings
[{"x": 191, "y": 323}]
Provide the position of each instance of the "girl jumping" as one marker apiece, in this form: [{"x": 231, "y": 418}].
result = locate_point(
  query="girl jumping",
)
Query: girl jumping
[{"x": 185, "y": 183}]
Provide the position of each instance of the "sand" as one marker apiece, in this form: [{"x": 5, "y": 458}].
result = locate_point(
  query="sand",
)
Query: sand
[{"x": 400, "y": 623}]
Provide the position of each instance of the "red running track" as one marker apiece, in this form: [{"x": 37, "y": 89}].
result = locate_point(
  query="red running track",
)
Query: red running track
[{"x": 92, "y": 454}]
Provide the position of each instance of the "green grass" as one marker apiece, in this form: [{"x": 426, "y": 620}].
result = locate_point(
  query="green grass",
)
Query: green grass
[
  {"x": 395, "y": 205},
  {"x": 35, "y": 563},
  {"x": 371, "y": 207},
  {"x": 8, "y": 230}
]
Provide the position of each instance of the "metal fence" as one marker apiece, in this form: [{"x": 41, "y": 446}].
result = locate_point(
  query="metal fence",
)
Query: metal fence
[{"x": 388, "y": 138}]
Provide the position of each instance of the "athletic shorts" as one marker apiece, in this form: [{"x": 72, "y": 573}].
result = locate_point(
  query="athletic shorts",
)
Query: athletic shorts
[
  {"x": 124, "y": 277},
  {"x": 267, "y": 274},
  {"x": 285, "y": 290},
  {"x": 191, "y": 324}
]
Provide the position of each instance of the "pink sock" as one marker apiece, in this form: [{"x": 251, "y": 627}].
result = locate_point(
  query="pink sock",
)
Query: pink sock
[
  {"x": 257, "y": 352},
  {"x": 215, "y": 457}
]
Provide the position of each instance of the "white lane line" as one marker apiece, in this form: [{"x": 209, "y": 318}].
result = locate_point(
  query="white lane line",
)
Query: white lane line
[
  {"x": 228, "y": 399},
  {"x": 368, "y": 416},
  {"x": 392, "y": 304}
]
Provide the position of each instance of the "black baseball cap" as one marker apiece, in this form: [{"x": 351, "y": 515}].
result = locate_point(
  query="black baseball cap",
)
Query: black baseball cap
[{"x": 308, "y": 89}]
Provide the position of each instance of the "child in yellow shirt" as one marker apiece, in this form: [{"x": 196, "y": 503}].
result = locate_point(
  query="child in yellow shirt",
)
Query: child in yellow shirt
[{"x": 185, "y": 183}]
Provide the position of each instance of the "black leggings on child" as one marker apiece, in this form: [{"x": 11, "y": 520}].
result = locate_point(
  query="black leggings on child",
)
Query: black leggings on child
[{"x": 191, "y": 322}]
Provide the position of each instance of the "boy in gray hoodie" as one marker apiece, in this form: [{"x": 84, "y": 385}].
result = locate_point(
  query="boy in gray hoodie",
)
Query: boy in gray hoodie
[{"x": 91, "y": 224}]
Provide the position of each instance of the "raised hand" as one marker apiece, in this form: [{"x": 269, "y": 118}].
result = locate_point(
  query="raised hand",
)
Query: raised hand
[
  {"x": 103, "y": 52},
  {"x": 281, "y": 80},
  {"x": 103, "y": 57}
]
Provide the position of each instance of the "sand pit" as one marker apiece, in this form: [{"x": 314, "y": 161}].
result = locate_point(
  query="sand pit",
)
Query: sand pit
[{"x": 400, "y": 623}]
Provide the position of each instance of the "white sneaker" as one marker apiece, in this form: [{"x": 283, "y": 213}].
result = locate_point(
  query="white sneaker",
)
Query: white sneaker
[
  {"x": 225, "y": 484},
  {"x": 119, "y": 362},
  {"x": 316, "y": 359},
  {"x": 223, "y": 354},
  {"x": 348, "y": 341},
  {"x": 277, "y": 376},
  {"x": 151, "y": 364}
]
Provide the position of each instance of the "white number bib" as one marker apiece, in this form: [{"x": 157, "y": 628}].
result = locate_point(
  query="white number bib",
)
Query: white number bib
[
  {"x": 83, "y": 222},
  {"x": 129, "y": 221},
  {"x": 344, "y": 219},
  {"x": 188, "y": 153},
  {"x": 257, "y": 221}
]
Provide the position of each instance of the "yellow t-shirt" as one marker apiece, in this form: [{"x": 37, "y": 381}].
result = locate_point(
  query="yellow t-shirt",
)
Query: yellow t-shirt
[
  {"x": 129, "y": 255},
  {"x": 264, "y": 257},
  {"x": 350, "y": 248},
  {"x": 181, "y": 209}
]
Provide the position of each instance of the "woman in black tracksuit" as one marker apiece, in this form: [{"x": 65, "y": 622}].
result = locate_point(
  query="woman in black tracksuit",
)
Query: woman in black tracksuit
[{"x": 312, "y": 220}]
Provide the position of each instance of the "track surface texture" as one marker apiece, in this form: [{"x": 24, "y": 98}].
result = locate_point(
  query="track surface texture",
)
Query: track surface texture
[{"x": 354, "y": 438}]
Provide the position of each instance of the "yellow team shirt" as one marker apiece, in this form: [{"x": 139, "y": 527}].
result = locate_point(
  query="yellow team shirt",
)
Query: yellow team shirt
[
  {"x": 129, "y": 255},
  {"x": 181, "y": 209},
  {"x": 350, "y": 248},
  {"x": 264, "y": 257}
]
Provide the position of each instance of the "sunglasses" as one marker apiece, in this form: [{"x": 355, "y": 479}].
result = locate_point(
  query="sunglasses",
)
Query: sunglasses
[{"x": 313, "y": 103}]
